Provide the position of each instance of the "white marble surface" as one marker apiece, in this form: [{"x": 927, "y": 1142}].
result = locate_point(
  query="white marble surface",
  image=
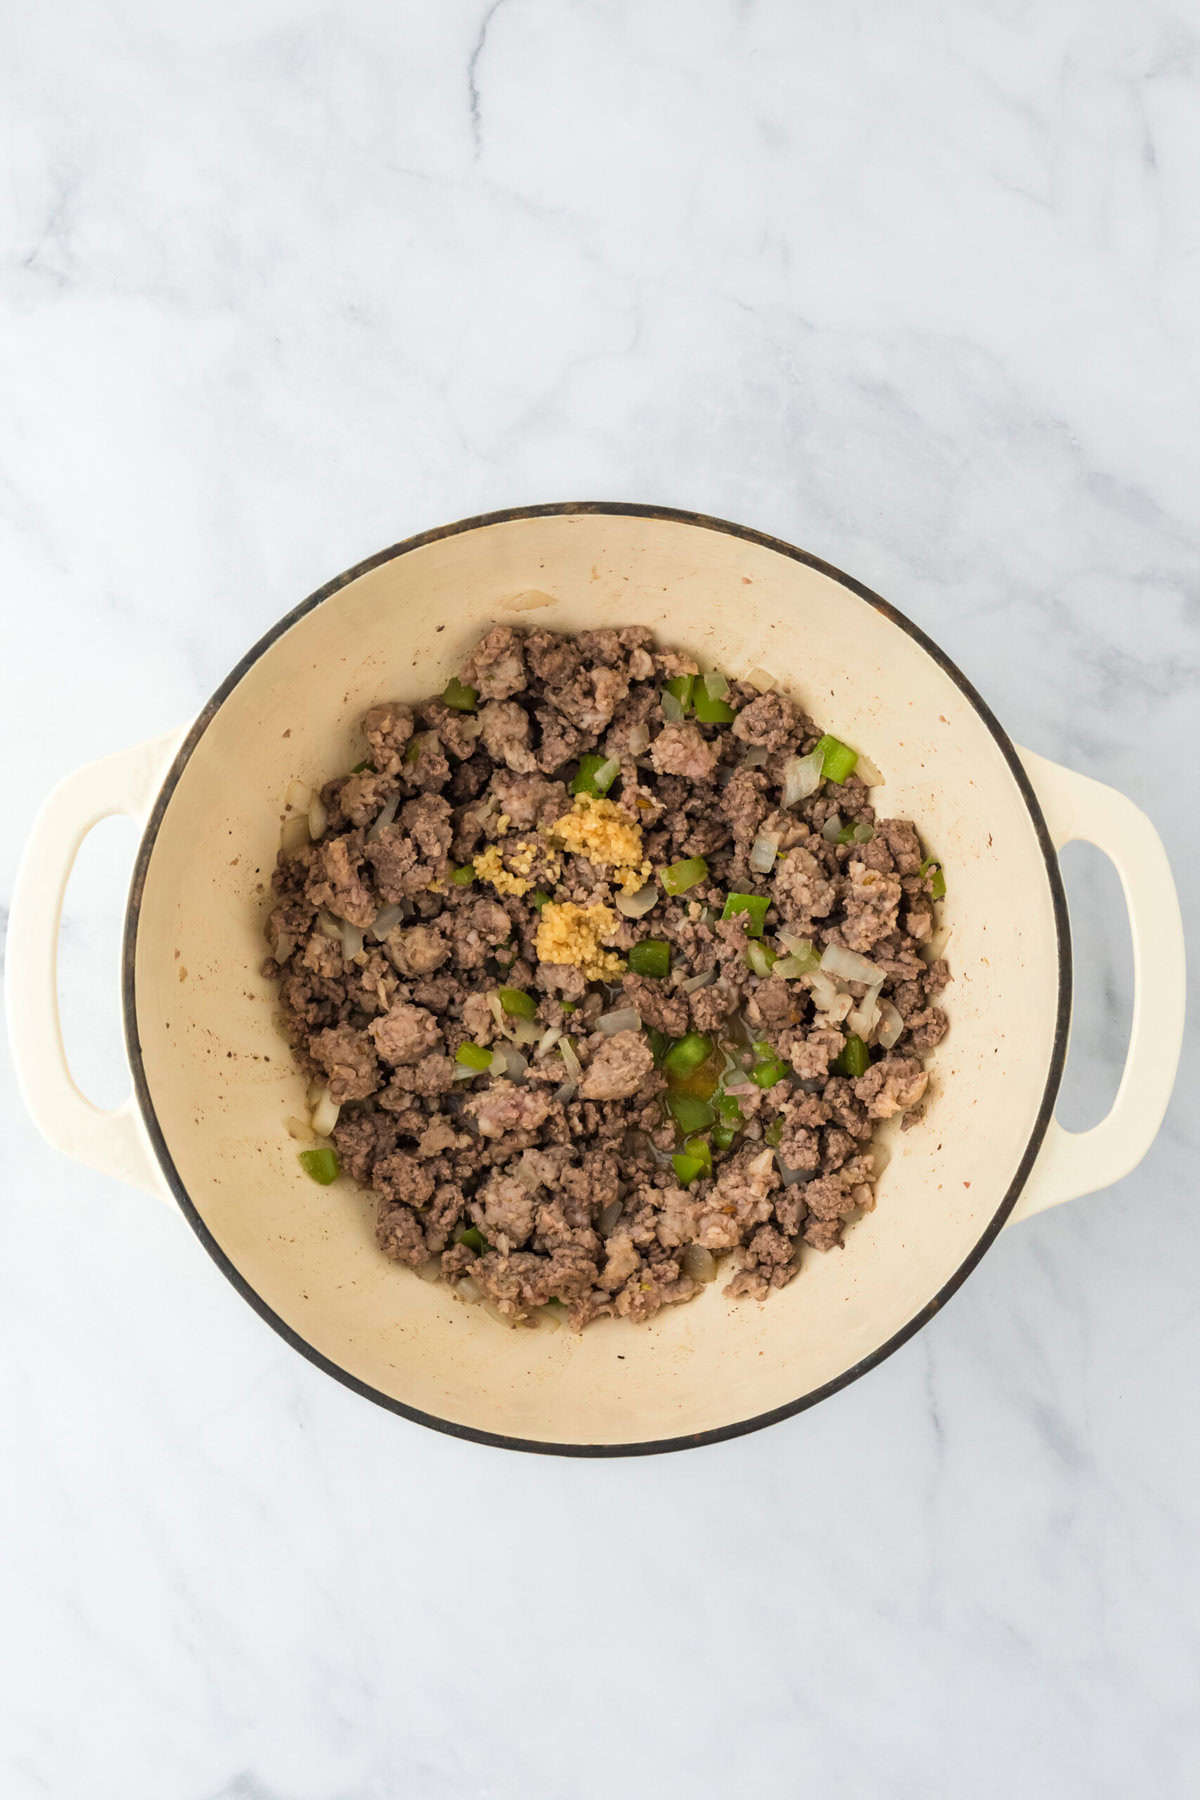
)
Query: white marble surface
[{"x": 917, "y": 287}]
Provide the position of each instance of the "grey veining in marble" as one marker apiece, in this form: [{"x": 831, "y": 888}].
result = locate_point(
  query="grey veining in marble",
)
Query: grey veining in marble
[{"x": 917, "y": 287}]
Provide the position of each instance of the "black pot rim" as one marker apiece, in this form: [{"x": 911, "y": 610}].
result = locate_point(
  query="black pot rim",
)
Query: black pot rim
[{"x": 738, "y": 1427}]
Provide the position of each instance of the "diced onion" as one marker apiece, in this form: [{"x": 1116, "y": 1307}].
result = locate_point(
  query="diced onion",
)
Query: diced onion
[
  {"x": 298, "y": 796},
  {"x": 496, "y": 1006},
  {"x": 715, "y": 685},
  {"x": 328, "y": 926},
  {"x": 609, "y": 1215},
  {"x": 848, "y": 965},
  {"x": 508, "y": 1061},
  {"x": 636, "y": 906},
  {"x": 300, "y": 1129},
  {"x": 547, "y": 1318},
  {"x": 798, "y": 946},
  {"x": 431, "y": 1270},
  {"x": 566, "y": 1050},
  {"x": 831, "y": 829},
  {"x": 293, "y": 833},
  {"x": 464, "y": 1074},
  {"x": 526, "y": 1031},
  {"x": 699, "y": 1263},
  {"x": 763, "y": 852},
  {"x": 386, "y": 919},
  {"x": 789, "y": 968},
  {"x": 755, "y": 757},
  {"x": 824, "y": 990},
  {"x": 470, "y": 1290},
  {"x": 862, "y": 833},
  {"x": 865, "y": 769},
  {"x": 758, "y": 678},
  {"x": 606, "y": 774},
  {"x": 694, "y": 983},
  {"x": 622, "y": 1018},
  {"x": 890, "y": 1025},
  {"x": 789, "y": 1177},
  {"x": 672, "y": 707},
  {"x": 863, "y": 1020},
  {"x": 638, "y": 739},
  {"x": 352, "y": 940},
  {"x": 801, "y": 776},
  {"x": 386, "y": 816},
  {"x": 566, "y": 1090},
  {"x": 547, "y": 1042},
  {"x": 318, "y": 818},
  {"x": 325, "y": 1114}
]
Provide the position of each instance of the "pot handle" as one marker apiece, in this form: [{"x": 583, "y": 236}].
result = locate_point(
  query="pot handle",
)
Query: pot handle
[
  {"x": 113, "y": 1142},
  {"x": 1071, "y": 1163}
]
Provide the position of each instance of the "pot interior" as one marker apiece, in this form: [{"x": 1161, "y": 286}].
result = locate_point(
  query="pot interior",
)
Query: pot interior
[{"x": 217, "y": 1077}]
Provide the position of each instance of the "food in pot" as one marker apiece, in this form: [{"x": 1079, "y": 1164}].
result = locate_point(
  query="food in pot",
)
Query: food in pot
[{"x": 605, "y": 974}]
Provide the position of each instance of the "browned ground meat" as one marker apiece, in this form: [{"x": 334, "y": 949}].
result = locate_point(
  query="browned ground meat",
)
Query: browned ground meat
[{"x": 546, "y": 1178}]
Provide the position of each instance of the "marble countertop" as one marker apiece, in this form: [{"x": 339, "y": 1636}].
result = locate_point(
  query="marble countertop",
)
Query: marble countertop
[{"x": 915, "y": 287}]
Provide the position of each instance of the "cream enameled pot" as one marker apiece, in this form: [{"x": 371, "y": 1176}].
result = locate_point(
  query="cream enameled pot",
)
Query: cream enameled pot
[{"x": 213, "y": 1082}]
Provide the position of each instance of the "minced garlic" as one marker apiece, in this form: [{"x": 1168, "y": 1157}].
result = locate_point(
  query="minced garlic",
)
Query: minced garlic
[
  {"x": 604, "y": 832},
  {"x": 568, "y": 933},
  {"x": 490, "y": 867}
]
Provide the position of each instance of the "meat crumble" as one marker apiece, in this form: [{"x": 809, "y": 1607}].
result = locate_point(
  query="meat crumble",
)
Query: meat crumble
[{"x": 604, "y": 973}]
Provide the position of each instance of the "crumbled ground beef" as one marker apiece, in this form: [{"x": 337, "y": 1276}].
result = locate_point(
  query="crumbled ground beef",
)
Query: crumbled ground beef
[{"x": 547, "y": 1179}]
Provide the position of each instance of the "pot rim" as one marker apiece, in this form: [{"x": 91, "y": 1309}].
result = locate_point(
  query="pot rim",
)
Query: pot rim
[{"x": 738, "y": 1427}]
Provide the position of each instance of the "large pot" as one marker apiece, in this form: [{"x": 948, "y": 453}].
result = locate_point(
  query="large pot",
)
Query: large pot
[{"x": 213, "y": 1081}]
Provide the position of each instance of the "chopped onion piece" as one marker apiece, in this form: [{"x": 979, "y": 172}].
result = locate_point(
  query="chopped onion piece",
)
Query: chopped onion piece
[
  {"x": 508, "y": 1061},
  {"x": 638, "y": 739},
  {"x": 865, "y": 769},
  {"x": 526, "y": 1031},
  {"x": 790, "y": 968},
  {"x": 863, "y": 1020},
  {"x": 386, "y": 816},
  {"x": 890, "y": 1025},
  {"x": 352, "y": 940},
  {"x": 325, "y": 1114},
  {"x": 789, "y": 1177},
  {"x": 300, "y": 1129},
  {"x": 848, "y": 965},
  {"x": 798, "y": 946},
  {"x": 755, "y": 757},
  {"x": 465, "y": 1074},
  {"x": 758, "y": 678},
  {"x": 622, "y": 1018},
  {"x": 801, "y": 776},
  {"x": 566, "y": 1050},
  {"x": 386, "y": 919},
  {"x": 548, "y": 1318},
  {"x": 470, "y": 1290},
  {"x": 566, "y": 1090},
  {"x": 328, "y": 926},
  {"x": 298, "y": 796},
  {"x": 431, "y": 1270},
  {"x": 715, "y": 685},
  {"x": 824, "y": 989},
  {"x": 831, "y": 829},
  {"x": 293, "y": 833},
  {"x": 318, "y": 818},
  {"x": 496, "y": 1006},
  {"x": 636, "y": 906},
  {"x": 609, "y": 1215},
  {"x": 672, "y": 707},
  {"x": 699, "y": 1263},
  {"x": 763, "y": 852},
  {"x": 694, "y": 983},
  {"x": 547, "y": 1042},
  {"x": 606, "y": 774}
]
